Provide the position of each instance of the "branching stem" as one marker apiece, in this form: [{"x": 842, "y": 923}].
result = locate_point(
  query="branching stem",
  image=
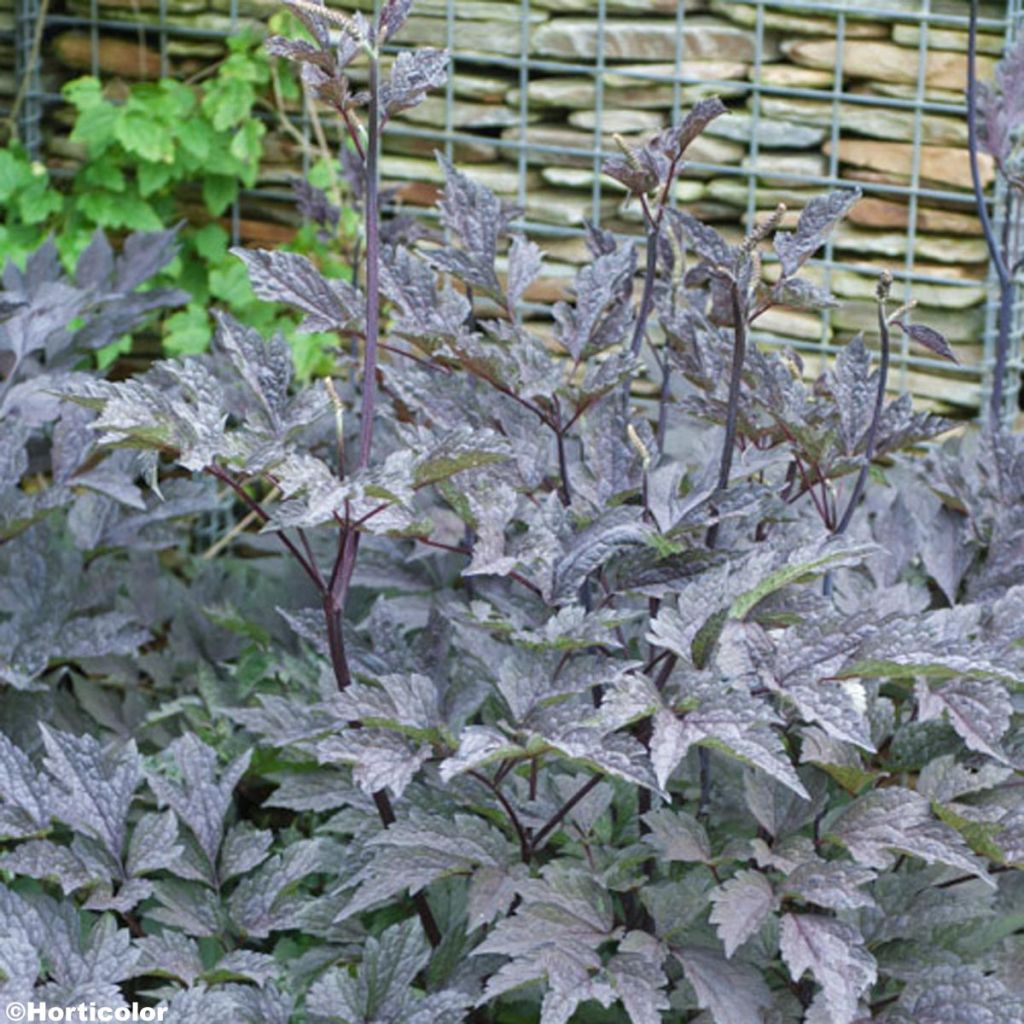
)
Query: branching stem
[
  {"x": 563, "y": 468},
  {"x": 647, "y": 296},
  {"x": 653, "y": 222},
  {"x": 336, "y": 641},
  {"x": 372, "y": 269},
  {"x": 336, "y": 591},
  {"x": 556, "y": 818},
  {"x": 876, "y": 415},
  {"x": 386, "y": 813},
  {"x": 257, "y": 509},
  {"x": 455, "y": 549},
  {"x": 739, "y": 352},
  {"x": 524, "y": 840},
  {"x": 872, "y": 434}
]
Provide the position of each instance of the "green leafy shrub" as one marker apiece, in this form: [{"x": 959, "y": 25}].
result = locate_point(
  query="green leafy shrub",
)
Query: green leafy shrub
[{"x": 143, "y": 152}]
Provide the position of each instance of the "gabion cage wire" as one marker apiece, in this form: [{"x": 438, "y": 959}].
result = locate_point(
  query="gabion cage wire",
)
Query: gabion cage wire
[{"x": 521, "y": 66}]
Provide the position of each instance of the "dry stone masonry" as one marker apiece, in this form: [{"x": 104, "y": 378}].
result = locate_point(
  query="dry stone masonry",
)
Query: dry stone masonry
[{"x": 814, "y": 96}]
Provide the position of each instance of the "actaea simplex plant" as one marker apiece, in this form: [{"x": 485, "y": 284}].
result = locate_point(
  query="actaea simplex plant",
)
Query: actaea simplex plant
[{"x": 618, "y": 627}]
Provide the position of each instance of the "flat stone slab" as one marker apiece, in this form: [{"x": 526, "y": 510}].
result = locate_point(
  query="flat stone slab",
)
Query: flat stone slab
[
  {"x": 848, "y": 284},
  {"x": 878, "y": 122},
  {"x": 616, "y": 6},
  {"x": 497, "y": 177},
  {"x": 887, "y": 62},
  {"x": 433, "y": 112},
  {"x": 567, "y": 142},
  {"x": 991, "y": 10},
  {"x": 578, "y": 178},
  {"x": 632, "y": 90},
  {"x": 182, "y": 46},
  {"x": 466, "y": 86},
  {"x": 940, "y": 164},
  {"x": 552, "y": 206},
  {"x": 956, "y": 324},
  {"x": 734, "y": 192},
  {"x": 114, "y": 55},
  {"x": 108, "y": 7},
  {"x": 908, "y": 92},
  {"x": 206, "y": 21},
  {"x": 477, "y": 152},
  {"x": 940, "y": 38},
  {"x": 473, "y": 37},
  {"x": 685, "y": 191},
  {"x": 771, "y": 134},
  {"x": 647, "y": 40},
  {"x": 705, "y": 72},
  {"x": 792, "y": 323},
  {"x": 801, "y": 24},
  {"x": 873, "y": 212},
  {"x": 616, "y": 120},
  {"x": 482, "y": 88},
  {"x": 792, "y": 76},
  {"x": 465, "y": 10},
  {"x": 568, "y": 250},
  {"x": 631, "y": 214},
  {"x": 777, "y": 170},
  {"x": 937, "y": 248}
]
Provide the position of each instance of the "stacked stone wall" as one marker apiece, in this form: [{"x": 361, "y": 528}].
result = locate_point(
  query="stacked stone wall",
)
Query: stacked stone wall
[{"x": 849, "y": 94}]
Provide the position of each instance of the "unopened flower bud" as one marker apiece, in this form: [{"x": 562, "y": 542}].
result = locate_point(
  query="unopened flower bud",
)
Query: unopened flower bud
[
  {"x": 884, "y": 286},
  {"x": 638, "y": 446}
]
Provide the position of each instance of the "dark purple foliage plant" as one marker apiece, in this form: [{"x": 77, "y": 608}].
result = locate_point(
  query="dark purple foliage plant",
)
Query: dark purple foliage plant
[{"x": 505, "y": 699}]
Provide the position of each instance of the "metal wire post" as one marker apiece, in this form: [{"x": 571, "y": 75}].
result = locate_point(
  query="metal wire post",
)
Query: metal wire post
[{"x": 27, "y": 74}]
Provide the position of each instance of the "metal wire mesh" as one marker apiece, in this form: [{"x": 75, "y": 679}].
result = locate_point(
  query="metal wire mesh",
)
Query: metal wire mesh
[{"x": 893, "y": 135}]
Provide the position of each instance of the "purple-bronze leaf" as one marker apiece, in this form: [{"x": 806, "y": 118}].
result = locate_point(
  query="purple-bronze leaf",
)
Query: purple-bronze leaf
[
  {"x": 425, "y": 311},
  {"x": 929, "y": 338},
  {"x": 479, "y": 218},
  {"x": 413, "y": 75},
  {"x": 10, "y": 304},
  {"x": 313, "y": 204},
  {"x": 1001, "y": 106},
  {"x": 741, "y": 906},
  {"x": 732, "y": 992},
  {"x": 834, "y": 952},
  {"x": 801, "y": 294},
  {"x": 265, "y": 366},
  {"x": 392, "y": 17},
  {"x": 300, "y": 52},
  {"x": 314, "y": 22},
  {"x": 644, "y": 168},
  {"x": 709, "y": 245},
  {"x": 524, "y": 264},
  {"x": 602, "y": 311},
  {"x": 600, "y": 241},
  {"x": 144, "y": 254},
  {"x": 639, "y": 169},
  {"x": 678, "y": 139},
  {"x": 96, "y": 264},
  {"x": 816, "y": 221},
  {"x": 291, "y": 278}
]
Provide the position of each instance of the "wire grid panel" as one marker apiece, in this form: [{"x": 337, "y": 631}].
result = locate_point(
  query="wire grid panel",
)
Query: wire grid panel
[
  {"x": 19, "y": 73},
  {"x": 824, "y": 94},
  {"x": 9, "y": 72}
]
